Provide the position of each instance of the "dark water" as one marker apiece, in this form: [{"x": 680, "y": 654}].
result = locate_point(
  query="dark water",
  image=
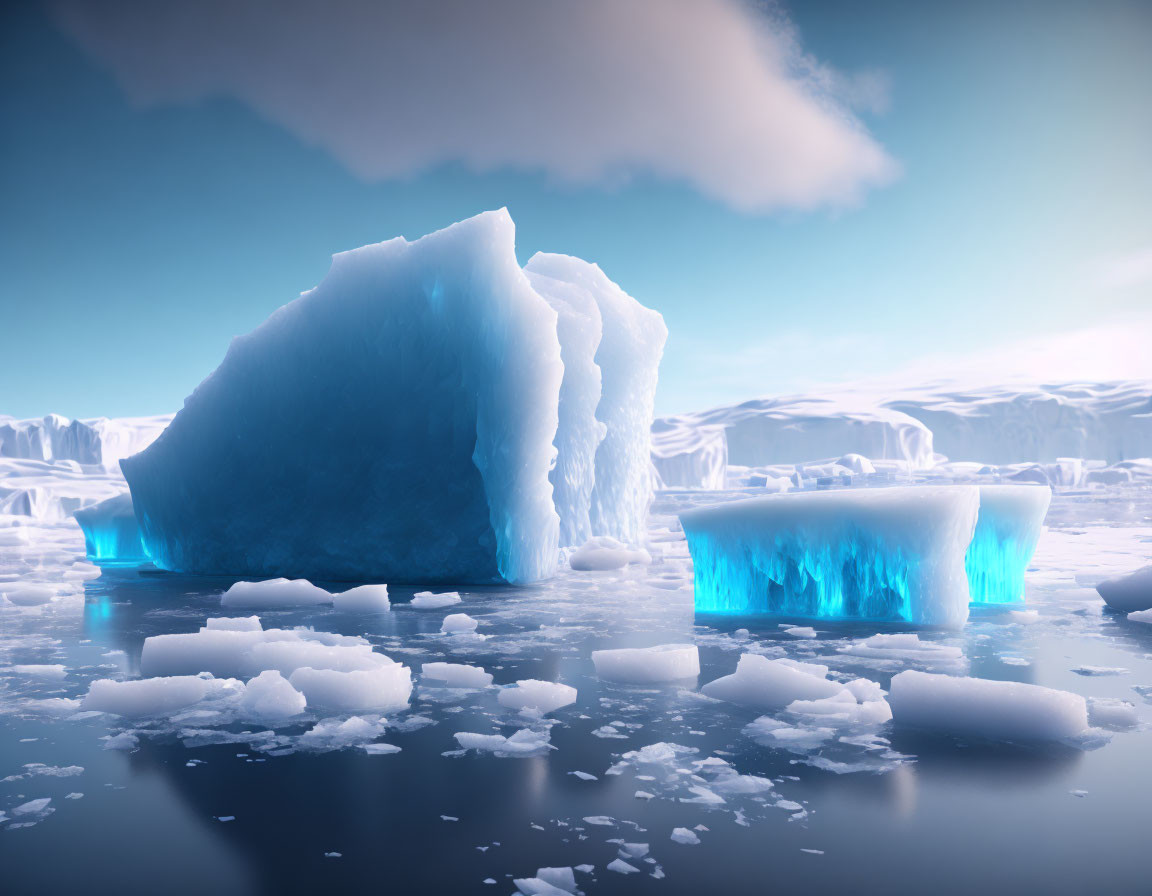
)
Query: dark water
[{"x": 960, "y": 818}]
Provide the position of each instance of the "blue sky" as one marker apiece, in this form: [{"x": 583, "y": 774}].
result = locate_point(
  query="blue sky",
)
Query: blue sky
[{"x": 1002, "y": 209}]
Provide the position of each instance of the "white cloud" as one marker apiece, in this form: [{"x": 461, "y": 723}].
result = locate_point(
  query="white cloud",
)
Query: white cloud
[{"x": 713, "y": 93}]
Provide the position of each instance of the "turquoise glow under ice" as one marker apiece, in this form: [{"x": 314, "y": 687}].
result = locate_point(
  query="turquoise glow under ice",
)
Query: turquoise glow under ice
[
  {"x": 113, "y": 540},
  {"x": 860, "y": 577},
  {"x": 998, "y": 557}
]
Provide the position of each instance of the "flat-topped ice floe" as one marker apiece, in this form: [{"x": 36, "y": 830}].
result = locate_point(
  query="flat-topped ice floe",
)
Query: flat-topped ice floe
[
  {"x": 1128, "y": 594},
  {"x": 648, "y": 665},
  {"x": 892, "y": 553},
  {"x": 1007, "y": 529},
  {"x": 772, "y": 684},
  {"x": 986, "y": 709}
]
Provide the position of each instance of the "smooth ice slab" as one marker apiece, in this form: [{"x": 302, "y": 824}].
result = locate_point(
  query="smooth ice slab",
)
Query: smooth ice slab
[
  {"x": 893, "y": 553},
  {"x": 993, "y": 710},
  {"x": 1007, "y": 529},
  {"x": 1129, "y": 594},
  {"x": 395, "y": 423},
  {"x": 648, "y": 665},
  {"x": 111, "y": 534}
]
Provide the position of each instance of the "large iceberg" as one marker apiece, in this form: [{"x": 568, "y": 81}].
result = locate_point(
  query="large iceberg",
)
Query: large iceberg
[
  {"x": 885, "y": 554},
  {"x": 412, "y": 419},
  {"x": 1009, "y": 525}
]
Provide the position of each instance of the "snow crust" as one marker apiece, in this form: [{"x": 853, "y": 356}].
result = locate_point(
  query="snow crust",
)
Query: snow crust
[{"x": 895, "y": 553}]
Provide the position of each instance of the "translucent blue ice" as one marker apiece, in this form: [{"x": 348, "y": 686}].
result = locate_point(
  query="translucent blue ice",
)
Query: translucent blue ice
[
  {"x": 111, "y": 535},
  {"x": 879, "y": 554},
  {"x": 1011, "y": 517}
]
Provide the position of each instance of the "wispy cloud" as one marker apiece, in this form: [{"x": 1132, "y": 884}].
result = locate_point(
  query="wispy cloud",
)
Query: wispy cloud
[{"x": 717, "y": 94}]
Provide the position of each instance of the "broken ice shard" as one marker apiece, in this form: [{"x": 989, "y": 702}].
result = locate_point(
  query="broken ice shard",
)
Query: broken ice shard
[
  {"x": 881, "y": 554},
  {"x": 111, "y": 535},
  {"x": 1011, "y": 517}
]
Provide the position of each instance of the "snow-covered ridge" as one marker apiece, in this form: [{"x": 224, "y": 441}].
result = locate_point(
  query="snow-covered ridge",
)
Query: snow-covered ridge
[{"x": 100, "y": 441}]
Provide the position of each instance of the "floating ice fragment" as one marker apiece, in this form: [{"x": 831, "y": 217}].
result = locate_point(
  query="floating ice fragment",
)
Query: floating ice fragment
[
  {"x": 524, "y": 742},
  {"x": 994, "y": 710},
  {"x": 685, "y": 836},
  {"x": 771, "y": 684},
  {"x": 548, "y": 882},
  {"x": 38, "y": 670},
  {"x": 604, "y": 553},
  {"x": 1110, "y": 712},
  {"x": 125, "y": 740},
  {"x": 1099, "y": 671},
  {"x": 272, "y": 594},
  {"x": 907, "y": 647},
  {"x": 458, "y": 623},
  {"x": 270, "y": 696},
  {"x": 233, "y": 624},
  {"x": 386, "y": 688},
  {"x": 426, "y": 600},
  {"x": 456, "y": 675},
  {"x": 1141, "y": 616},
  {"x": 111, "y": 533},
  {"x": 622, "y": 867},
  {"x": 154, "y": 696},
  {"x": 380, "y": 749},
  {"x": 1129, "y": 593},
  {"x": 362, "y": 599},
  {"x": 648, "y": 665},
  {"x": 893, "y": 553},
  {"x": 601, "y": 820},
  {"x": 542, "y": 696},
  {"x": 584, "y": 776}
]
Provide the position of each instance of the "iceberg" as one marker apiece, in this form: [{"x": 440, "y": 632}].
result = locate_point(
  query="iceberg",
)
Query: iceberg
[
  {"x": 111, "y": 535},
  {"x": 690, "y": 456},
  {"x": 880, "y": 554},
  {"x": 423, "y": 415},
  {"x": 1007, "y": 529},
  {"x": 1131, "y": 593}
]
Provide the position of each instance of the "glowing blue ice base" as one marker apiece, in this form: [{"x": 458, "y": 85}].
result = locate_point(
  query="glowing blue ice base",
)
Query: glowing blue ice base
[
  {"x": 879, "y": 554},
  {"x": 1009, "y": 525},
  {"x": 111, "y": 534}
]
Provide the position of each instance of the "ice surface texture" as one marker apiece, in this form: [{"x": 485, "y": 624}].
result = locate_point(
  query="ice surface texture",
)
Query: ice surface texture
[
  {"x": 111, "y": 534},
  {"x": 689, "y": 456},
  {"x": 397, "y": 423},
  {"x": 1011, "y": 517},
  {"x": 894, "y": 553},
  {"x": 98, "y": 442}
]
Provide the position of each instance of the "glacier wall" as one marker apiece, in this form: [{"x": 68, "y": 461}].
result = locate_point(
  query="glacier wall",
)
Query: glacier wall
[
  {"x": 98, "y": 442},
  {"x": 1009, "y": 525},
  {"x": 628, "y": 356},
  {"x": 394, "y": 423},
  {"x": 111, "y": 534},
  {"x": 879, "y": 554}
]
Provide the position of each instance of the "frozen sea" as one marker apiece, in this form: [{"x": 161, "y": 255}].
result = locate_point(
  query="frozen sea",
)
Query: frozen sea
[{"x": 196, "y": 808}]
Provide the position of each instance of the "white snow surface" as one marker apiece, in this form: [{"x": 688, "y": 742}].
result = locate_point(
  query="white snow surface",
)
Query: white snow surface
[{"x": 603, "y": 552}]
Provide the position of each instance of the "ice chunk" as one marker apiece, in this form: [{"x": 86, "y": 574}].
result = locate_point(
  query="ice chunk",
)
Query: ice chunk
[
  {"x": 994, "y": 710},
  {"x": 1110, "y": 712},
  {"x": 383, "y": 689},
  {"x": 1007, "y": 529},
  {"x": 273, "y": 594},
  {"x": 335, "y": 734},
  {"x": 648, "y": 665},
  {"x": 685, "y": 836},
  {"x": 542, "y": 696},
  {"x": 270, "y": 696},
  {"x": 111, "y": 534},
  {"x": 290, "y": 459},
  {"x": 579, "y": 327},
  {"x": 456, "y": 675},
  {"x": 364, "y": 599},
  {"x": 1141, "y": 616},
  {"x": 689, "y": 456},
  {"x": 548, "y": 882},
  {"x": 153, "y": 696},
  {"x": 622, "y": 867},
  {"x": 772, "y": 684},
  {"x": 458, "y": 623},
  {"x": 904, "y": 647},
  {"x": 426, "y": 600},
  {"x": 893, "y": 553},
  {"x": 524, "y": 742},
  {"x": 1130, "y": 593},
  {"x": 628, "y": 356},
  {"x": 27, "y": 595},
  {"x": 233, "y": 624},
  {"x": 604, "y": 552}
]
